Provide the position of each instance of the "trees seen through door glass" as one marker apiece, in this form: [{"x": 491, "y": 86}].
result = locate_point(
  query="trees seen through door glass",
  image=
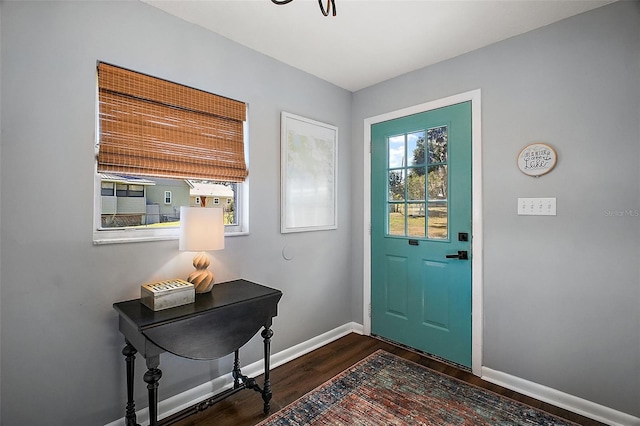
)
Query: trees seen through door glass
[{"x": 418, "y": 184}]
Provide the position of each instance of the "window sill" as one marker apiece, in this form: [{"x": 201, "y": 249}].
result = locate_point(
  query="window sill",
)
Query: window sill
[{"x": 125, "y": 237}]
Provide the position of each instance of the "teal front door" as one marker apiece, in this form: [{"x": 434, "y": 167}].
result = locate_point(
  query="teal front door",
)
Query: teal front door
[{"x": 421, "y": 231}]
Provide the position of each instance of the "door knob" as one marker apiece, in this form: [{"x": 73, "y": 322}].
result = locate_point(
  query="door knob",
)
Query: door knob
[{"x": 462, "y": 255}]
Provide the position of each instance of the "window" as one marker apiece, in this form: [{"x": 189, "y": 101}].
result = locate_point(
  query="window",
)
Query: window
[
  {"x": 107, "y": 189},
  {"x": 124, "y": 190},
  {"x": 417, "y": 203},
  {"x": 160, "y": 145}
]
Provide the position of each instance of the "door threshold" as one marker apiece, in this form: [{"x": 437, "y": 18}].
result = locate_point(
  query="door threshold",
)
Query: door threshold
[{"x": 423, "y": 353}]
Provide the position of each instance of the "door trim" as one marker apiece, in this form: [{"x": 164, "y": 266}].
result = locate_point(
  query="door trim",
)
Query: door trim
[{"x": 476, "y": 215}]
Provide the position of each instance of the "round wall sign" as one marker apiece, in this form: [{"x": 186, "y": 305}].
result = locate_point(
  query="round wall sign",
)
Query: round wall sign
[{"x": 537, "y": 159}]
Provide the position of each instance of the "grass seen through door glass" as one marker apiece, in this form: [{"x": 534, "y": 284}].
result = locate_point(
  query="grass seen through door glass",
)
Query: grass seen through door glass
[{"x": 437, "y": 223}]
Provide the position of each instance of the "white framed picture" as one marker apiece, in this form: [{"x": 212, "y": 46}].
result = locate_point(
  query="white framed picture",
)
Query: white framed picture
[{"x": 309, "y": 174}]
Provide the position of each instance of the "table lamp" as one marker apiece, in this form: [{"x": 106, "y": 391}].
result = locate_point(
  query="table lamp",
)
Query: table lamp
[{"x": 201, "y": 229}]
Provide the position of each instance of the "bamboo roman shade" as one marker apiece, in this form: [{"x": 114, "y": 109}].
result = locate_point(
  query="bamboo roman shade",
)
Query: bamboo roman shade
[{"x": 153, "y": 127}]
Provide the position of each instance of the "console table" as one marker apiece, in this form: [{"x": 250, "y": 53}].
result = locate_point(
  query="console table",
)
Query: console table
[{"x": 215, "y": 325}]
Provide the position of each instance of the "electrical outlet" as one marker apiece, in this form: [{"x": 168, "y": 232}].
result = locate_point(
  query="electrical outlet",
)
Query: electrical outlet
[{"x": 537, "y": 206}]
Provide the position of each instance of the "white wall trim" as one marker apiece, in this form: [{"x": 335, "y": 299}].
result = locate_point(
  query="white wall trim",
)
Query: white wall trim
[
  {"x": 560, "y": 399},
  {"x": 477, "y": 224},
  {"x": 213, "y": 387}
]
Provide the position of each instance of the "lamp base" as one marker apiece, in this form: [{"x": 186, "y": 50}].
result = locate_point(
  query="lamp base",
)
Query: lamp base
[{"x": 201, "y": 278}]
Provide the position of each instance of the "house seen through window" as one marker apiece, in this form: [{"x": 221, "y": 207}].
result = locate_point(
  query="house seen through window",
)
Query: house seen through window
[{"x": 154, "y": 202}]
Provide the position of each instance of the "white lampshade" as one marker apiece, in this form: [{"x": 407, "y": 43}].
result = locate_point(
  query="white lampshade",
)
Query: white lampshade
[{"x": 201, "y": 229}]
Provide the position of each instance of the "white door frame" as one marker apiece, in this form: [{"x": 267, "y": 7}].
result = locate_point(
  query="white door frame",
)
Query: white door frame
[{"x": 476, "y": 188}]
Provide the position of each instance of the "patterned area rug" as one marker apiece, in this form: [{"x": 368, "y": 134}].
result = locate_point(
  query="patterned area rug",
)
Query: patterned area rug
[{"x": 384, "y": 389}]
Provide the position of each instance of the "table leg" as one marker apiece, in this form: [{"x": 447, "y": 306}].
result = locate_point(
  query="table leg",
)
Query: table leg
[
  {"x": 151, "y": 377},
  {"x": 130, "y": 358},
  {"x": 267, "y": 333},
  {"x": 236, "y": 369}
]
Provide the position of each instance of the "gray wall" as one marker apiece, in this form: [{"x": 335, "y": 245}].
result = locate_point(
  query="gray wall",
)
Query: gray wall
[
  {"x": 61, "y": 361},
  {"x": 561, "y": 293}
]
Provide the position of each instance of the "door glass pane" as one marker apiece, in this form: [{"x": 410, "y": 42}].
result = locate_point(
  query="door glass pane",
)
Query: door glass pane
[
  {"x": 396, "y": 185},
  {"x": 396, "y": 152},
  {"x": 416, "y": 187},
  {"x": 415, "y": 148},
  {"x": 415, "y": 219},
  {"x": 396, "y": 219},
  {"x": 438, "y": 220},
  {"x": 437, "y": 139},
  {"x": 438, "y": 182}
]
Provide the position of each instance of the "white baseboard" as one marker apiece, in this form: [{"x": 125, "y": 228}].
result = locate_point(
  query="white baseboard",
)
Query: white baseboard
[
  {"x": 204, "y": 391},
  {"x": 560, "y": 399}
]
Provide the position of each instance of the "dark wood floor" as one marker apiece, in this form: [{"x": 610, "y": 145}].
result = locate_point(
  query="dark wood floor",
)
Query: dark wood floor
[{"x": 294, "y": 379}]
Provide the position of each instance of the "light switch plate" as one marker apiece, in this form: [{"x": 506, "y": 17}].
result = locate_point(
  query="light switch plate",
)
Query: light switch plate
[{"x": 537, "y": 206}]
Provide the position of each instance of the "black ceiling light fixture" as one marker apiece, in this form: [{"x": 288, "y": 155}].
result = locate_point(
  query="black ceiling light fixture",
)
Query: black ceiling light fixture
[{"x": 331, "y": 5}]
